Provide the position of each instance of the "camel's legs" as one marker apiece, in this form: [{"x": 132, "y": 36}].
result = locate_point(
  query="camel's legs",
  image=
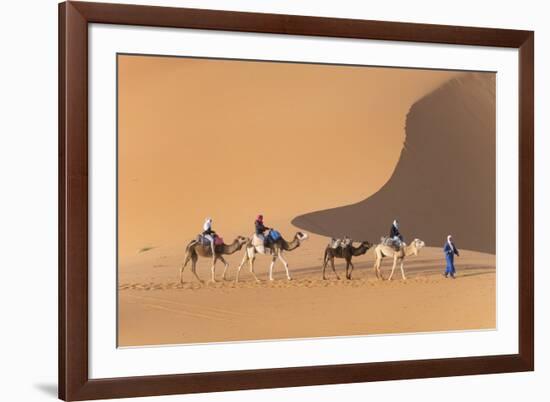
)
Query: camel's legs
[
  {"x": 377, "y": 263},
  {"x": 273, "y": 259},
  {"x": 225, "y": 266},
  {"x": 351, "y": 269},
  {"x": 251, "y": 266},
  {"x": 271, "y": 268},
  {"x": 241, "y": 265},
  {"x": 181, "y": 272},
  {"x": 393, "y": 268},
  {"x": 194, "y": 267},
  {"x": 213, "y": 269},
  {"x": 187, "y": 258},
  {"x": 285, "y": 264},
  {"x": 347, "y": 268},
  {"x": 334, "y": 268},
  {"x": 254, "y": 273},
  {"x": 251, "y": 258},
  {"x": 402, "y": 271},
  {"x": 380, "y": 268},
  {"x": 324, "y": 268}
]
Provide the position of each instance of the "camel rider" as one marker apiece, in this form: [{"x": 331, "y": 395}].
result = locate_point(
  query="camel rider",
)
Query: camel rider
[
  {"x": 208, "y": 233},
  {"x": 260, "y": 228},
  {"x": 395, "y": 235}
]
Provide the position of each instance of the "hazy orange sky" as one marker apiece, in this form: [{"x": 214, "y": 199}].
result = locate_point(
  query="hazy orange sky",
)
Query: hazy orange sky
[{"x": 231, "y": 139}]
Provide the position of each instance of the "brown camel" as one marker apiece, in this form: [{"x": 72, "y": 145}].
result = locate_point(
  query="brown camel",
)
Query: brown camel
[
  {"x": 194, "y": 250},
  {"x": 347, "y": 253},
  {"x": 275, "y": 250}
]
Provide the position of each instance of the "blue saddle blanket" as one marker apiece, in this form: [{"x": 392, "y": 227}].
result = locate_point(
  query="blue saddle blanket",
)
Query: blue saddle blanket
[{"x": 274, "y": 235}]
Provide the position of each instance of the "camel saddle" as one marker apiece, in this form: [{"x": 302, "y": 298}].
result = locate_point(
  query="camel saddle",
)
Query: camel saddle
[
  {"x": 218, "y": 240},
  {"x": 393, "y": 243},
  {"x": 335, "y": 243},
  {"x": 202, "y": 240},
  {"x": 274, "y": 235}
]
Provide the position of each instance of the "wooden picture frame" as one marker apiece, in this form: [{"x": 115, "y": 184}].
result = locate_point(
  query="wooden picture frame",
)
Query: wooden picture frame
[{"x": 74, "y": 381}]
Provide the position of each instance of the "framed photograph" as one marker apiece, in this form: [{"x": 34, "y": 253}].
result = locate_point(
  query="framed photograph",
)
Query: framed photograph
[{"x": 260, "y": 200}]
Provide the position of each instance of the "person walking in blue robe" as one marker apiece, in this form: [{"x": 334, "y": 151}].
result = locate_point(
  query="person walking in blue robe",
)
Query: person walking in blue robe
[{"x": 450, "y": 250}]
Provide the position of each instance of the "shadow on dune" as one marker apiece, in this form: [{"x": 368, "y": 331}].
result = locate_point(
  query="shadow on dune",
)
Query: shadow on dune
[{"x": 445, "y": 180}]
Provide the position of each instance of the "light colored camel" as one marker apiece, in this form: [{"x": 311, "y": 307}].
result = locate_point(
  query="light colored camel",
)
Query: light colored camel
[
  {"x": 274, "y": 249},
  {"x": 382, "y": 250},
  {"x": 195, "y": 249}
]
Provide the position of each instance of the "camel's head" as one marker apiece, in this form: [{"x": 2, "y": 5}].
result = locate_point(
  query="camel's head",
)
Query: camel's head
[
  {"x": 301, "y": 236},
  {"x": 242, "y": 240},
  {"x": 366, "y": 244},
  {"x": 417, "y": 244}
]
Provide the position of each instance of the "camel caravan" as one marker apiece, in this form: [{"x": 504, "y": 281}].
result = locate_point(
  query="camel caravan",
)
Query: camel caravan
[{"x": 269, "y": 242}]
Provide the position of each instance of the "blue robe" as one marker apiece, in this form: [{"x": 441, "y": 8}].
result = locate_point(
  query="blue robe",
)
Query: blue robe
[{"x": 450, "y": 258}]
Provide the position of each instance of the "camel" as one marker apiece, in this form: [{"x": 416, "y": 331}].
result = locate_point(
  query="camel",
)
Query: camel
[
  {"x": 275, "y": 250},
  {"x": 195, "y": 249},
  {"x": 382, "y": 250},
  {"x": 346, "y": 252}
]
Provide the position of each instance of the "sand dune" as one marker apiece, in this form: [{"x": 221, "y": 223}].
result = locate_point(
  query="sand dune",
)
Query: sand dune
[
  {"x": 231, "y": 139},
  {"x": 445, "y": 179}
]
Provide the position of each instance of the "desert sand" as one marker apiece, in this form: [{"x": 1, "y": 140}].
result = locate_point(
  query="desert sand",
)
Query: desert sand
[
  {"x": 154, "y": 308},
  {"x": 229, "y": 140}
]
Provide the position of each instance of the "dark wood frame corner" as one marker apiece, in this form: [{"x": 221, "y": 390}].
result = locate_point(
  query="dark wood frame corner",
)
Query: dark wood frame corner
[{"x": 74, "y": 382}]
